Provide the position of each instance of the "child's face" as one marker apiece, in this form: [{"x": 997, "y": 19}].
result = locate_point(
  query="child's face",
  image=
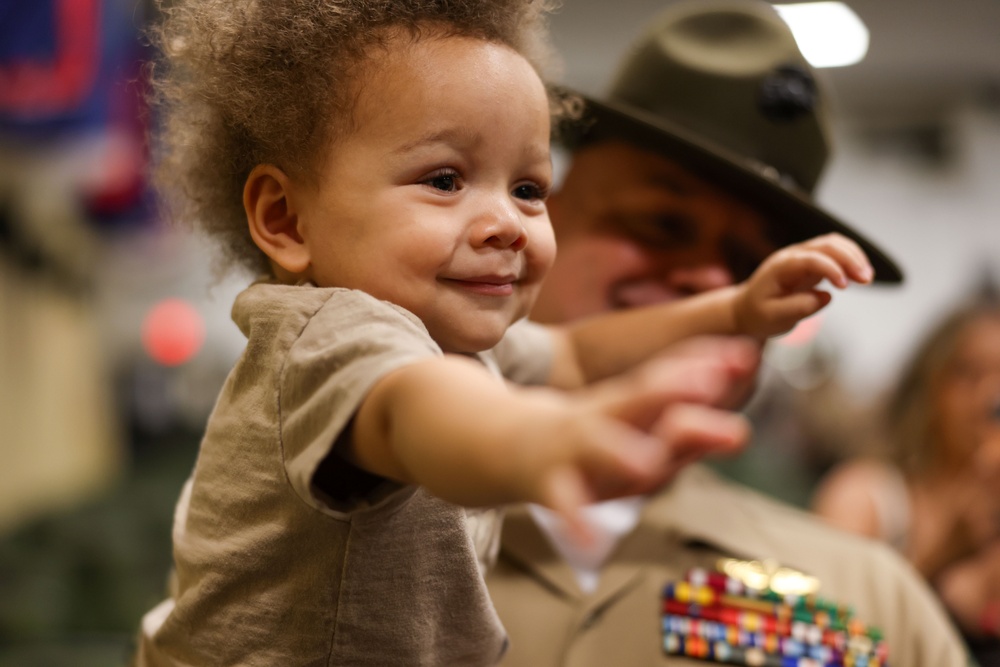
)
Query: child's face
[{"x": 434, "y": 200}]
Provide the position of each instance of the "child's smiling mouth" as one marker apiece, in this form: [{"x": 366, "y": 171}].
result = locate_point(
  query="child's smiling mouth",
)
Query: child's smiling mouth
[{"x": 488, "y": 285}]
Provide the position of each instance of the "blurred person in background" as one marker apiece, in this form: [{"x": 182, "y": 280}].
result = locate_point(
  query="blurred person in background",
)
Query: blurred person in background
[
  {"x": 935, "y": 496},
  {"x": 699, "y": 163}
]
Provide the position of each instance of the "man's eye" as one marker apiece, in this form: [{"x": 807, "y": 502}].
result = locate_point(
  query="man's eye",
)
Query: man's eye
[
  {"x": 666, "y": 231},
  {"x": 446, "y": 182},
  {"x": 529, "y": 191}
]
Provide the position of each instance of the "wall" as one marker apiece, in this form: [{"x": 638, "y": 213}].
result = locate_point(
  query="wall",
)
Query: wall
[{"x": 931, "y": 197}]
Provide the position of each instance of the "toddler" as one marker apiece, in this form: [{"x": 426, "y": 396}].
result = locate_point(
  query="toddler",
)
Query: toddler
[{"x": 384, "y": 165}]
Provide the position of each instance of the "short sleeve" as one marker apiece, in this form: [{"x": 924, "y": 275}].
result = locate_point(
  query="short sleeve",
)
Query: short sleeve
[
  {"x": 350, "y": 343},
  {"x": 524, "y": 355}
]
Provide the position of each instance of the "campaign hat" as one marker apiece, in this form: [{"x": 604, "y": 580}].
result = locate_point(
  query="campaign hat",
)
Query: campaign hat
[{"x": 721, "y": 87}]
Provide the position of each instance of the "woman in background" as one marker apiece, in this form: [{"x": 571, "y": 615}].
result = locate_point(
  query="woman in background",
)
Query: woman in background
[{"x": 936, "y": 495}]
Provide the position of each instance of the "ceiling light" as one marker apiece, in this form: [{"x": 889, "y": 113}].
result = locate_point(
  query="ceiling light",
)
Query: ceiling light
[{"x": 829, "y": 34}]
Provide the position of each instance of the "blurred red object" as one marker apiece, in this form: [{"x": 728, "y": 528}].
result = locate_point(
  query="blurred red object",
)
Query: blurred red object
[{"x": 173, "y": 332}]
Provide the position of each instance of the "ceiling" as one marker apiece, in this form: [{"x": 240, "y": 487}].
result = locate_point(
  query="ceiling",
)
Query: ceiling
[{"x": 925, "y": 57}]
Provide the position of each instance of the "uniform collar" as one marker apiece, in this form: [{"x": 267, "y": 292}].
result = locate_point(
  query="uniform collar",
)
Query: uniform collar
[{"x": 693, "y": 509}]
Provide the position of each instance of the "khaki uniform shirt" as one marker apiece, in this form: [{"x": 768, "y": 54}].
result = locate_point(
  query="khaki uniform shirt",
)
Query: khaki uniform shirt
[
  {"x": 695, "y": 521},
  {"x": 272, "y": 570}
]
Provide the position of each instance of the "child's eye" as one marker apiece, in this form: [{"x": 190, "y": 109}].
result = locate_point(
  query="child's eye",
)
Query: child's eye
[
  {"x": 530, "y": 191},
  {"x": 446, "y": 181}
]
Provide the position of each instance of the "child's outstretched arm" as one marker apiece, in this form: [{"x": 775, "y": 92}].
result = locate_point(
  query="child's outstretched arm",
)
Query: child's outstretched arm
[
  {"x": 782, "y": 291},
  {"x": 450, "y": 426}
]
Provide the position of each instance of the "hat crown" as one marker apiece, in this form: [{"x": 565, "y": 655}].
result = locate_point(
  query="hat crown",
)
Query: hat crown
[{"x": 731, "y": 74}]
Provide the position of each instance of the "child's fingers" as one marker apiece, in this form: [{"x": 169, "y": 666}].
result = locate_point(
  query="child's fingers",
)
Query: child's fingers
[
  {"x": 800, "y": 268},
  {"x": 620, "y": 461},
  {"x": 566, "y": 494},
  {"x": 623, "y": 462},
  {"x": 693, "y": 431},
  {"x": 847, "y": 253},
  {"x": 613, "y": 461},
  {"x": 626, "y": 438}
]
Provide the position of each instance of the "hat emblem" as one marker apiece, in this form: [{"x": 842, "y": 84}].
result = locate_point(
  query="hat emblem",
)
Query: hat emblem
[{"x": 787, "y": 93}]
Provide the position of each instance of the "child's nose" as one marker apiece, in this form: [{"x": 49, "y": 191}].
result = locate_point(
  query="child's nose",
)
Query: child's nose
[{"x": 501, "y": 227}]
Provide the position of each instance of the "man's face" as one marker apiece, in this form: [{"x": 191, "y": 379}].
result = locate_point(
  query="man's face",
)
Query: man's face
[{"x": 635, "y": 228}]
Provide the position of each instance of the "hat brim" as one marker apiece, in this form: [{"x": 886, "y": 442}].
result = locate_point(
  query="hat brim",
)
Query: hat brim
[{"x": 793, "y": 214}]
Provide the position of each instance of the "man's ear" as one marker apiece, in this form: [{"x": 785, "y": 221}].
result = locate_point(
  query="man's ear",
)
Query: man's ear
[{"x": 273, "y": 220}]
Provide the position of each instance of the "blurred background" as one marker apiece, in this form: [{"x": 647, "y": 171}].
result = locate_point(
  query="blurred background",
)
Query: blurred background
[{"x": 115, "y": 334}]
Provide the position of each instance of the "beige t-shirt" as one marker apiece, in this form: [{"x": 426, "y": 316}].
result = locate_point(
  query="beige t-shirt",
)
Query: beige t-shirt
[{"x": 286, "y": 555}]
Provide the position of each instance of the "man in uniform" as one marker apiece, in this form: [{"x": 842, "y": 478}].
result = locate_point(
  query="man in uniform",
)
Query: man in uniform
[{"x": 699, "y": 163}]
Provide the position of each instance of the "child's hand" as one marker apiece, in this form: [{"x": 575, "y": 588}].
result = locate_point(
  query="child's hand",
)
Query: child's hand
[
  {"x": 783, "y": 291},
  {"x": 629, "y": 435}
]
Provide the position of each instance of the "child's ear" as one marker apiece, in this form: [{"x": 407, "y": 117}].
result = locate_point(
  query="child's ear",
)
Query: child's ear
[{"x": 273, "y": 220}]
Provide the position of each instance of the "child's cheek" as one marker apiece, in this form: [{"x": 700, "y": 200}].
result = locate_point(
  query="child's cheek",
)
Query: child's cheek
[{"x": 542, "y": 250}]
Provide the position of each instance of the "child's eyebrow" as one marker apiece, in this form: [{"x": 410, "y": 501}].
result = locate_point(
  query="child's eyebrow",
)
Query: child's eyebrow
[
  {"x": 467, "y": 139},
  {"x": 451, "y": 135}
]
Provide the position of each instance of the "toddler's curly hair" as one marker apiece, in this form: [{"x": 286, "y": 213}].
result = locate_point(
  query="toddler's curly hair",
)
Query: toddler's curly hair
[{"x": 246, "y": 82}]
